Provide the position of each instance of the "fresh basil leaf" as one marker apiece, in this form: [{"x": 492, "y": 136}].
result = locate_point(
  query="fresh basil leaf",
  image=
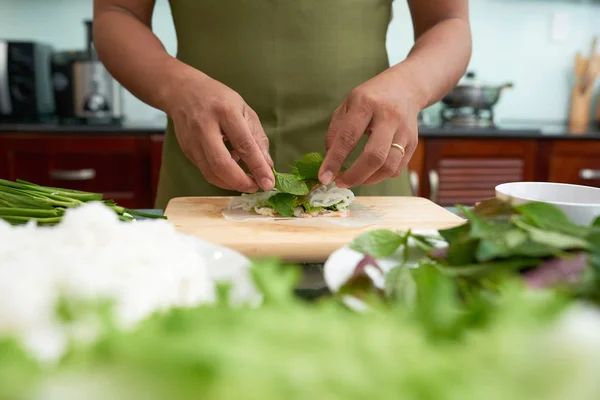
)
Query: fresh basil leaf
[
  {"x": 400, "y": 286},
  {"x": 452, "y": 233},
  {"x": 490, "y": 268},
  {"x": 309, "y": 209},
  {"x": 308, "y": 166},
  {"x": 283, "y": 203},
  {"x": 593, "y": 237},
  {"x": 437, "y": 306},
  {"x": 425, "y": 243},
  {"x": 548, "y": 217},
  {"x": 290, "y": 183},
  {"x": 500, "y": 245},
  {"x": 378, "y": 243},
  {"x": 493, "y": 207},
  {"x": 554, "y": 239},
  {"x": 596, "y": 222}
]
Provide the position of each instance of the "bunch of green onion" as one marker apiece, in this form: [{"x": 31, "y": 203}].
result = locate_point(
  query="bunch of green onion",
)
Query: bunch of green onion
[{"x": 21, "y": 202}]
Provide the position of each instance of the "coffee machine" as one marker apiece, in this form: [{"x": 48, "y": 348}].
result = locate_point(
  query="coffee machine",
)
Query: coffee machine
[{"x": 84, "y": 90}]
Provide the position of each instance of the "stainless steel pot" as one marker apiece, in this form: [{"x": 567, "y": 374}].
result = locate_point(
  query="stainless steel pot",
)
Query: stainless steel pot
[{"x": 473, "y": 94}]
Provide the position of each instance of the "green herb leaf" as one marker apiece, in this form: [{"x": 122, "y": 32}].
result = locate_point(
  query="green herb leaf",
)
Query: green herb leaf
[
  {"x": 283, "y": 203},
  {"x": 401, "y": 287},
  {"x": 551, "y": 238},
  {"x": 308, "y": 166},
  {"x": 290, "y": 183},
  {"x": 378, "y": 243},
  {"x": 548, "y": 217}
]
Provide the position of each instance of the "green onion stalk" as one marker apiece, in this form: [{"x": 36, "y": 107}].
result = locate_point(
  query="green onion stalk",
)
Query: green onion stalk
[{"x": 22, "y": 201}]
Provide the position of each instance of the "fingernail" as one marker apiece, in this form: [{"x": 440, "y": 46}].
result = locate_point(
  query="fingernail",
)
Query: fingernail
[
  {"x": 327, "y": 178},
  {"x": 266, "y": 183},
  {"x": 269, "y": 159}
]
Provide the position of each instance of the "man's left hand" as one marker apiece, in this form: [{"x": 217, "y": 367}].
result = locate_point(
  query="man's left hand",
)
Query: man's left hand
[{"x": 386, "y": 109}]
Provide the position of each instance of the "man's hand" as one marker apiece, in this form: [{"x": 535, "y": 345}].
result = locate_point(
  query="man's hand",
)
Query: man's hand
[
  {"x": 204, "y": 111},
  {"x": 207, "y": 113},
  {"x": 385, "y": 109}
]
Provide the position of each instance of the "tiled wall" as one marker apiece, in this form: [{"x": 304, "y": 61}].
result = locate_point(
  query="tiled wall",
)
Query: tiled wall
[{"x": 511, "y": 43}]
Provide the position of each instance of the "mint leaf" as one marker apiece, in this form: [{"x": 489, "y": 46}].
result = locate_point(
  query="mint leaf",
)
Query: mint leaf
[
  {"x": 548, "y": 217},
  {"x": 401, "y": 287},
  {"x": 290, "y": 183},
  {"x": 307, "y": 207},
  {"x": 378, "y": 243},
  {"x": 308, "y": 166},
  {"x": 283, "y": 203},
  {"x": 557, "y": 240}
]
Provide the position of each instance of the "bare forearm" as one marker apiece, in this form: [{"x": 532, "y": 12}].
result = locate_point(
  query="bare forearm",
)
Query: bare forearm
[
  {"x": 135, "y": 56},
  {"x": 438, "y": 60}
]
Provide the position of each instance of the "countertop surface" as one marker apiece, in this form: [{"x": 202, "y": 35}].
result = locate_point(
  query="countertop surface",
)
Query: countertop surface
[{"x": 508, "y": 130}]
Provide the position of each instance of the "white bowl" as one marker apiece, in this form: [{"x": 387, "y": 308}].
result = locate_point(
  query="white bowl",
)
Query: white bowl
[{"x": 580, "y": 203}]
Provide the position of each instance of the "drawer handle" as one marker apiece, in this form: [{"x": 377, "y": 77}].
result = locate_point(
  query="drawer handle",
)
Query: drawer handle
[
  {"x": 589, "y": 174},
  {"x": 86, "y": 174},
  {"x": 434, "y": 185},
  {"x": 414, "y": 182}
]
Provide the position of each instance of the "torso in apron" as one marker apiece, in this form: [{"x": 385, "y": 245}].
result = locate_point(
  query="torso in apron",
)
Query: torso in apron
[{"x": 293, "y": 62}]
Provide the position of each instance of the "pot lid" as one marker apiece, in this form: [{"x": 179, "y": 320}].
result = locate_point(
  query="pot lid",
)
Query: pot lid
[{"x": 469, "y": 80}]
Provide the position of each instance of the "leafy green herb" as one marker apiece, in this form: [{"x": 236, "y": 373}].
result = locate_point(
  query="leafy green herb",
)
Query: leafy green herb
[
  {"x": 378, "y": 243},
  {"x": 308, "y": 166},
  {"x": 401, "y": 287},
  {"x": 290, "y": 183},
  {"x": 283, "y": 203}
]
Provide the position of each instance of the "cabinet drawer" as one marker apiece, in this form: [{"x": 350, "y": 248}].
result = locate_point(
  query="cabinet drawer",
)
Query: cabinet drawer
[
  {"x": 115, "y": 175},
  {"x": 118, "y": 167},
  {"x": 466, "y": 171},
  {"x": 575, "y": 169}
]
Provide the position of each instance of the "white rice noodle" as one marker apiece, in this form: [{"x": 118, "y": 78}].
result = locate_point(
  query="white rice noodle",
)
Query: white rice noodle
[
  {"x": 250, "y": 202},
  {"x": 143, "y": 266},
  {"x": 330, "y": 195}
]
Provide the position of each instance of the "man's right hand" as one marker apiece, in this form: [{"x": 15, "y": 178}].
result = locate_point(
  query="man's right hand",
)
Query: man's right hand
[{"x": 207, "y": 113}]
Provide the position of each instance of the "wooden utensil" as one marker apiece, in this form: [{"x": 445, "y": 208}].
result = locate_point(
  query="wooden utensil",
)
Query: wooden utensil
[
  {"x": 201, "y": 217},
  {"x": 579, "y": 113},
  {"x": 589, "y": 76}
]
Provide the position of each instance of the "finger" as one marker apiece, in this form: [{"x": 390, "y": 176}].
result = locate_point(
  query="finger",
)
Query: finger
[
  {"x": 235, "y": 156},
  {"x": 334, "y": 127},
  {"x": 374, "y": 155},
  {"x": 259, "y": 135},
  {"x": 210, "y": 176},
  {"x": 238, "y": 132},
  {"x": 394, "y": 163},
  {"x": 221, "y": 163},
  {"x": 196, "y": 155},
  {"x": 346, "y": 128}
]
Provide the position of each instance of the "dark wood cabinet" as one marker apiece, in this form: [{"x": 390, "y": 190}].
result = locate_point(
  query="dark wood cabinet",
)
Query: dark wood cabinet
[
  {"x": 156, "y": 145},
  {"x": 117, "y": 166},
  {"x": 448, "y": 170},
  {"x": 464, "y": 171},
  {"x": 576, "y": 162}
]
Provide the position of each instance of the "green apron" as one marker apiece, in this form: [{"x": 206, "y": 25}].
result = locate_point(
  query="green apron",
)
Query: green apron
[{"x": 293, "y": 62}]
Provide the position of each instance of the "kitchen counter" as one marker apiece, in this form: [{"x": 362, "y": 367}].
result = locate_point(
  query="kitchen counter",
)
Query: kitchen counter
[
  {"x": 104, "y": 129},
  {"x": 523, "y": 130}
]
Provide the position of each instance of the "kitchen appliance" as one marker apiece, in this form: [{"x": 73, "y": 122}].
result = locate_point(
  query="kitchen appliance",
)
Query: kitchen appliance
[
  {"x": 25, "y": 82},
  {"x": 467, "y": 117},
  {"x": 84, "y": 90},
  {"x": 470, "y": 103},
  {"x": 301, "y": 239}
]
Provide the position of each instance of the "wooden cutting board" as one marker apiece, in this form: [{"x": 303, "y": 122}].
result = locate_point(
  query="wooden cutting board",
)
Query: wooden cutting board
[{"x": 201, "y": 217}]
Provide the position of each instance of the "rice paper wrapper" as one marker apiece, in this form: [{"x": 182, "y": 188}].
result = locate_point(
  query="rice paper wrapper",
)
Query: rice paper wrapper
[{"x": 359, "y": 216}]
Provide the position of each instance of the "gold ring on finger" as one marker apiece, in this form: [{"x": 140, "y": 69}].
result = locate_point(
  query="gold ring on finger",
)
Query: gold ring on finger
[{"x": 396, "y": 145}]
